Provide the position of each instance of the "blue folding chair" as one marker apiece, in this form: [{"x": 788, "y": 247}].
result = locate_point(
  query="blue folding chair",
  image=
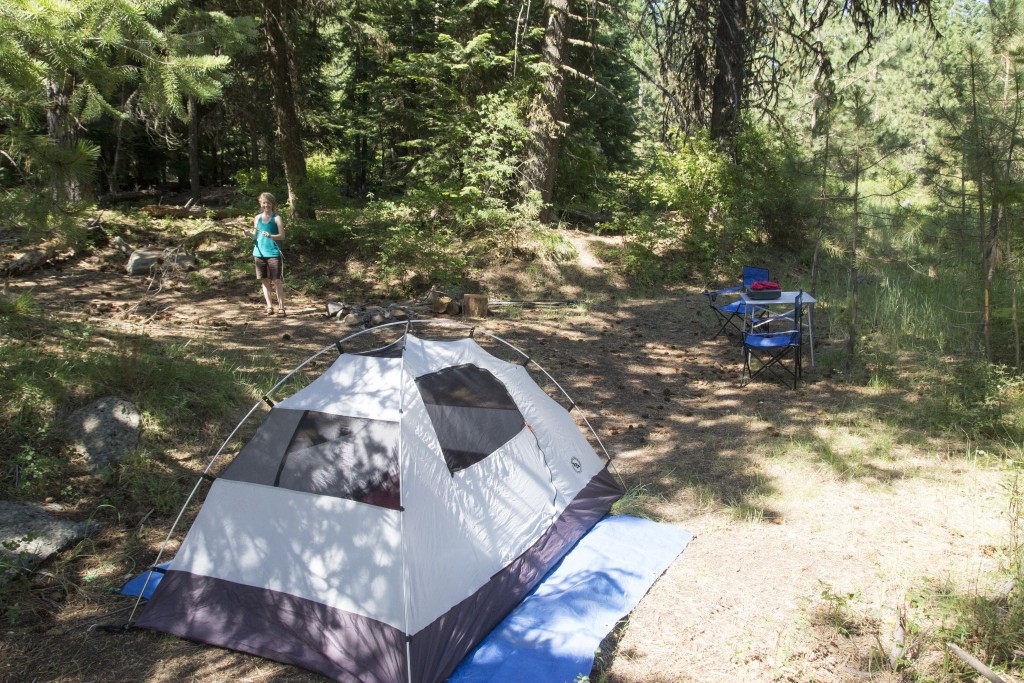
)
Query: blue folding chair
[
  {"x": 773, "y": 349},
  {"x": 733, "y": 313}
]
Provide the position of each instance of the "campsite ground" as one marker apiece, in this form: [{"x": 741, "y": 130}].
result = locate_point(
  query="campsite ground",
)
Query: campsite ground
[{"x": 816, "y": 522}]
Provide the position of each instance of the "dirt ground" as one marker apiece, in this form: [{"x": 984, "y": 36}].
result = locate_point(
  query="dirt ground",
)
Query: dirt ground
[{"x": 813, "y": 524}]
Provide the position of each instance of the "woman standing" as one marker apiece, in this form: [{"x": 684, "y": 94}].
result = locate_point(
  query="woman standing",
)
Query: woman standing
[{"x": 267, "y": 254}]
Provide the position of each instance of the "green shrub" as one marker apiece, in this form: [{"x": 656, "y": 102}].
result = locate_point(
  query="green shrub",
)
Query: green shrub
[{"x": 694, "y": 208}]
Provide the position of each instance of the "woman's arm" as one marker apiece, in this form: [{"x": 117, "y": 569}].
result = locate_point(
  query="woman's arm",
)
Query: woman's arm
[{"x": 280, "y": 229}]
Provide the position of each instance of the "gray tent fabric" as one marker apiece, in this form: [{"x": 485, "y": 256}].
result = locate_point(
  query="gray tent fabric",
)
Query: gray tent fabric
[{"x": 385, "y": 517}]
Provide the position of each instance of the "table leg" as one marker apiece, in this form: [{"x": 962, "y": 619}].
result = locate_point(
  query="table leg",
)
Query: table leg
[{"x": 810, "y": 330}]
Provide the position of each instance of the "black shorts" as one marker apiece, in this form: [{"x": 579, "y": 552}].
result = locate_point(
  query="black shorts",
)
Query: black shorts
[{"x": 268, "y": 268}]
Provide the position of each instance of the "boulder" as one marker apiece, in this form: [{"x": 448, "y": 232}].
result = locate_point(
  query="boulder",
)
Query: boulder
[
  {"x": 105, "y": 431},
  {"x": 353, "y": 320},
  {"x": 336, "y": 309},
  {"x": 440, "y": 304},
  {"x": 143, "y": 261},
  {"x": 30, "y": 534}
]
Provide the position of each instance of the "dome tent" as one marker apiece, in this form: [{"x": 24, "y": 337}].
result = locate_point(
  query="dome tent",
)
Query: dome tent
[{"x": 385, "y": 517}]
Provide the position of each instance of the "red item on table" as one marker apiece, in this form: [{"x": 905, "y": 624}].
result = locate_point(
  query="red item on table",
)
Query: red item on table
[{"x": 764, "y": 284}]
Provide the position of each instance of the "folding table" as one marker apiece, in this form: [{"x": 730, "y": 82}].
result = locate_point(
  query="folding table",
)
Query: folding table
[{"x": 784, "y": 299}]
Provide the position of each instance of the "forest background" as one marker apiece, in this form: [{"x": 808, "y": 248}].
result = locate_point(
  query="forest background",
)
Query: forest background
[{"x": 868, "y": 151}]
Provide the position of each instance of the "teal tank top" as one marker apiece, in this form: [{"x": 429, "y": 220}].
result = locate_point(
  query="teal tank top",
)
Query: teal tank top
[{"x": 266, "y": 247}]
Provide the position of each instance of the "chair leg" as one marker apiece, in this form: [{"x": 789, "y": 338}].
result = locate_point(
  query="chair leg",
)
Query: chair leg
[
  {"x": 799, "y": 363},
  {"x": 727, "y": 320},
  {"x": 768, "y": 366},
  {"x": 721, "y": 329}
]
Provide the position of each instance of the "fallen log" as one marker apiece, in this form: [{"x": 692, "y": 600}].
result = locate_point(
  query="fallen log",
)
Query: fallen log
[
  {"x": 165, "y": 211},
  {"x": 533, "y": 304},
  {"x": 974, "y": 663}
]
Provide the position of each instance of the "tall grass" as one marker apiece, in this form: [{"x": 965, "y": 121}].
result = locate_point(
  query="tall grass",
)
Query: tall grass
[{"x": 902, "y": 310}]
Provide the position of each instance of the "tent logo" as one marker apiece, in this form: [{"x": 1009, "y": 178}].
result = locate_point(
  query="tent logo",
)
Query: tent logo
[{"x": 576, "y": 464}]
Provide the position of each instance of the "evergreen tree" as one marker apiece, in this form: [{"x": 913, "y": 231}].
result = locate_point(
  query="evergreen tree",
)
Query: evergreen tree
[
  {"x": 980, "y": 109},
  {"x": 66, "y": 63}
]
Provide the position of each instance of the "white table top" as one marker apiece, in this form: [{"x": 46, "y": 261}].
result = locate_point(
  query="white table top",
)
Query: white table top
[{"x": 784, "y": 298}]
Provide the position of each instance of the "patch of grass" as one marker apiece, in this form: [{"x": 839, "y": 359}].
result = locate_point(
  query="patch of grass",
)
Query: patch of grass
[
  {"x": 637, "y": 501},
  {"x": 146, "y": 475},
  {"x": 836, "y": 611},
  {"x": 991, "y": 627},
  {"x": 704, "y": 497},
  {"x": 749, "y": 506},
  {"x": 748, "y": 512},
  {"x": 553, "y": 245},
  {"x": 197, "y": 282},
  {"x": 51, "y": 367}
]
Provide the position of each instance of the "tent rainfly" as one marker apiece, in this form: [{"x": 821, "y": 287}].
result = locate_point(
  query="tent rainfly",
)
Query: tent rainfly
[{"x": 383, "y": 519}]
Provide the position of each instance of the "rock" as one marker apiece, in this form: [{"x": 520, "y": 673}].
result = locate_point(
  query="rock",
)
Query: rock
[
  {"x": 336, "y": 309},
  {"x": 440, "y": 304},
  {"x": 375, "y": 315},
  {"x": 29, "y": 535},
  {"x": 47, "y": 255},
  {"x": 143, "y": 261},
  {"x": 119, "y": 244},
  {"x": 370, "y": 316},
  {"x": 104, "y": 432}
]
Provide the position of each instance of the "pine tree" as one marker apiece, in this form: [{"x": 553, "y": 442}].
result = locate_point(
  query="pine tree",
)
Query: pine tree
[{"x": 66, "y": 63}]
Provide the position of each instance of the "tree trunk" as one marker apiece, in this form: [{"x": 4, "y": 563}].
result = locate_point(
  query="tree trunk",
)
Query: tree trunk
[
  {"x": 991, "y": 259},
  {"x": 982, "y": 247},
  {"x": 822, "y": 212},
  {"x": 1014, "y": 284},
  {"x": 288, "y": 126},
  {"x": 547, "y": 111},
  {"x": 727, "y": 90},
  {"x": 193, "y": 151},
  {"x": 113, "y": 184},
  {"x": 255, "y": 165},
  {"x": 62, "y": 133},
  {"x": 851, "y": 343},
  {"x": 821, "y": 124}
]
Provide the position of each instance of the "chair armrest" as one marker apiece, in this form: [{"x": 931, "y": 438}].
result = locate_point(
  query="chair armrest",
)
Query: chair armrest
[{"x": 712, "y": 293}]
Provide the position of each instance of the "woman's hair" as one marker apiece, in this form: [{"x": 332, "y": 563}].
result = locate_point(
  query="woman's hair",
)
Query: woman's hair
[{"x": 270, "y": 198}]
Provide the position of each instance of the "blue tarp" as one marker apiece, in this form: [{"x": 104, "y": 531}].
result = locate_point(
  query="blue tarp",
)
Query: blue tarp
[
  {"x": 134, "y": 587},
  {"x": 552, "y": 636}
]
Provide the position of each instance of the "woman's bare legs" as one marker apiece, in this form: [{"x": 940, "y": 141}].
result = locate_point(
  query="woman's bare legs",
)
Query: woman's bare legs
[
  {"x": 265, "y": 285},
  {"x": 279, "y": 289}
]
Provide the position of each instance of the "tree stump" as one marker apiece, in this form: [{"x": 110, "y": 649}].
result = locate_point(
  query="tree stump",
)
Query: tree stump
[{"x": 474, "y": 305}]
